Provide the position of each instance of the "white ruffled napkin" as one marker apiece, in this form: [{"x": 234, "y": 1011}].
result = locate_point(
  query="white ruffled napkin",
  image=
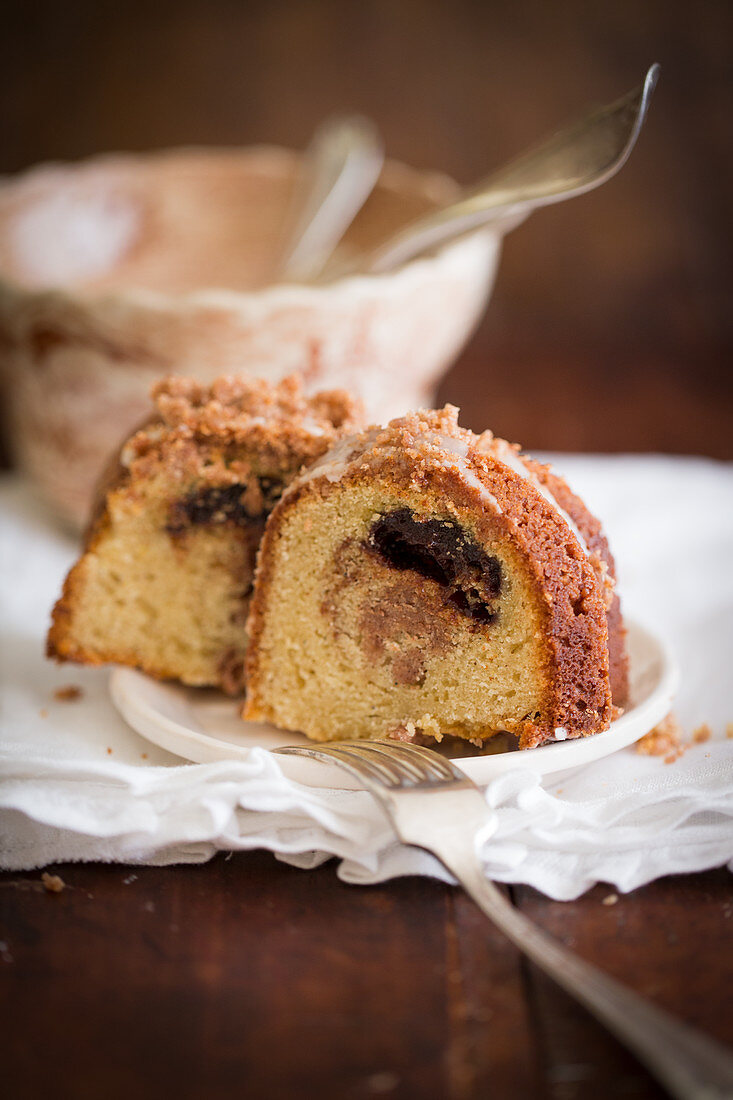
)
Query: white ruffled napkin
[{"x": 77, "y": 784}]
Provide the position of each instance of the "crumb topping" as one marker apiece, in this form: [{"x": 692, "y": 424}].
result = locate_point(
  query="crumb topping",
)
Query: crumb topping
[
  {"x": 279, "y": 422},
  {"x": 232, "y": 405}
]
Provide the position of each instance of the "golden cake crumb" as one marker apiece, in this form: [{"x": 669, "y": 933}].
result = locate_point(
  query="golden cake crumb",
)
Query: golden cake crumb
[
  {"x": 664, "y": 740},
  {"x": 53, "y": 884},
  {"x": 610, "y": 899},
  {"x": 667, "y": 739},
  {"x": 729, "y": 731},
  {"x": 69, "y": 693}
]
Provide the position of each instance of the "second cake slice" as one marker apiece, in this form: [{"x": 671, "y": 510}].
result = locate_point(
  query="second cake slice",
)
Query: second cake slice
[{"x": 166, "y": 575}]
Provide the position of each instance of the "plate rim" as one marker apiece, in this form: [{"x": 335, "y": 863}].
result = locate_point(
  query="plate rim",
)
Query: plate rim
[{"x": 141, "y": 715}]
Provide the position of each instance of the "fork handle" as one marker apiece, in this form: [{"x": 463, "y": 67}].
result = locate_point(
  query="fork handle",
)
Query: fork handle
[{"x": 690, "y": 1065}]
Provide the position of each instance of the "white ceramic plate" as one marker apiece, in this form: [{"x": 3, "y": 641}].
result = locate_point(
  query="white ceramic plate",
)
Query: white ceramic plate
[{"x": 204, "y": 725}]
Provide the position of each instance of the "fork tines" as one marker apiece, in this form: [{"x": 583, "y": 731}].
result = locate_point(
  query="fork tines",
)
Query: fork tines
[{"x": 390, "y": 762}]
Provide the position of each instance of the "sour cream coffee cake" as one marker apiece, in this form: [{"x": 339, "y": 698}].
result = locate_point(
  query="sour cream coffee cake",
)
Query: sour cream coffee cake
[
  {"x": 415, "y": 582},
  {"x": 420, "y": 581},
  {"x": 166, "y": 575}
]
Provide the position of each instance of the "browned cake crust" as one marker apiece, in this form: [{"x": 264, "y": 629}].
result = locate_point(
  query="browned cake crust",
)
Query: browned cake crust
[
  {"x": 426, "y": 461},
  {"x": 193, "y": 487},
  {"x": 604, "y": 565}
]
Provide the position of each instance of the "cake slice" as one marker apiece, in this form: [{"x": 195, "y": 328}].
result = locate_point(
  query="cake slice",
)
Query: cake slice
[
  {"x": 166, "y": 574},
  {"x": 420, "y": 581}
]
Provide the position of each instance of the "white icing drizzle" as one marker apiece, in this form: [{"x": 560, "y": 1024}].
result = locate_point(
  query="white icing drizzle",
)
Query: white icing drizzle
[
  {"x": 311, "y": 426},
  {"x": 470, "y": 478},
  {"x": 507, "y": 454},
  {"x": 449, "y": 443},
  {"x": 334, "y": 463},
  {"x": 452, "y": 453},
  {"x": 459, "y": 448}
]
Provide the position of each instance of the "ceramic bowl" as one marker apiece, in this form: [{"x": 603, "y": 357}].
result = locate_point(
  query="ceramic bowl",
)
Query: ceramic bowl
[{"x": 122, "y": 269}]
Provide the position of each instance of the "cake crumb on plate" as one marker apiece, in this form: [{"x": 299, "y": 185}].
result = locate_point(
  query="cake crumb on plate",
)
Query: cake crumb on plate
[{"x": 69, "y": 693}]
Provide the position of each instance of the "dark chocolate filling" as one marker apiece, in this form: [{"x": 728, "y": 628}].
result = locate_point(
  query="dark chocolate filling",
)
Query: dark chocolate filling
[
  {"x": 222, "y": 505},
  {"x": 441, "y": 550}
]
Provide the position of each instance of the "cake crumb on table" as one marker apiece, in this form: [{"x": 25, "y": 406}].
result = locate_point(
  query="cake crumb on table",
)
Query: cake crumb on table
[
  {"x": 109, "y": 751},
  {"x": 667, "y": 739},
  {"x": 729, "y": 731},
  {"x": 69, "y": 693},
  {"x": 664, "y": 740},
  {"x": 53, "y": 884},
  {"x": 610, "y": 899}
]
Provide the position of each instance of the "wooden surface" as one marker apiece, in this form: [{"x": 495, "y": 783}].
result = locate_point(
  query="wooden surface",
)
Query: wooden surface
[
  {"x": 610, "y": 329},
  {"x": 245, "y": 977}
]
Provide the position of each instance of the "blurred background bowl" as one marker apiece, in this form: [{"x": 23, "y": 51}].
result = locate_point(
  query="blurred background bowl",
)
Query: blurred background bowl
[
  {"x": 610, "y": 322},
  {"x": 121, "y": 269}
]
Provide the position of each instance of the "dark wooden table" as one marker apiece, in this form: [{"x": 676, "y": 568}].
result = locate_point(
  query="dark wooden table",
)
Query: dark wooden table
[
  {"x": 245, "y": 977},
  {"x": 609, "y": 330}
]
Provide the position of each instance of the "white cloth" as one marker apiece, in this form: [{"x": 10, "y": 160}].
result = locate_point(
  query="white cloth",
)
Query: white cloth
[{"x": 624, "y": 820}]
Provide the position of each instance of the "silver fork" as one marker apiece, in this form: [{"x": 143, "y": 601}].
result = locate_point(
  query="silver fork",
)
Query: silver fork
[{"x": 434, "y": 805}]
